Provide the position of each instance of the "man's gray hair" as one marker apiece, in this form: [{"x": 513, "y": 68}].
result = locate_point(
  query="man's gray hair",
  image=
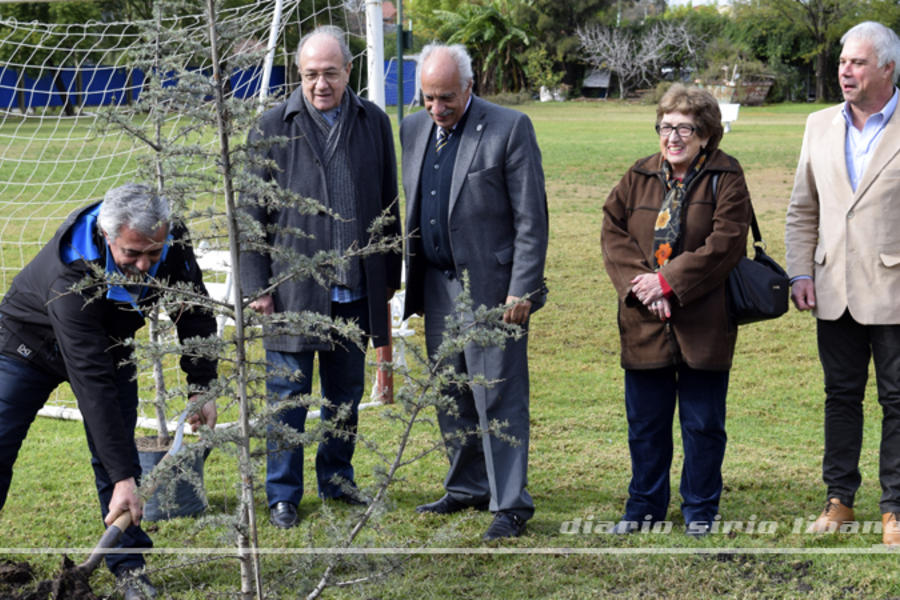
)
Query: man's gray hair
[
  {"x": 134, "y": 205},
  {"x": 332, "y": 31},
  {"x": 883, "y": 39},
  {"x": 460, "y": 57}
]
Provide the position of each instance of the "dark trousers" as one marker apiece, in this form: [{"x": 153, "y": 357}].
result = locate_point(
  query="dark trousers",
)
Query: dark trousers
[
  {"x": 23, "y": 391},
  {"x": 845, "y": 348},
  {"x": 482, "y": 466},
  {"x": 342, "y": 379},
  {"x": 650, "y": 398}
]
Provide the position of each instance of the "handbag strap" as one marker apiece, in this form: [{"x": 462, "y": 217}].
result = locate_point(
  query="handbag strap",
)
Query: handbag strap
[{"x": 754, "y": 226}]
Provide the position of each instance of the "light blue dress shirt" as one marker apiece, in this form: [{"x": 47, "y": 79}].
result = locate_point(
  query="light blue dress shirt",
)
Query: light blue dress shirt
[{"x": 860, "y": 145}]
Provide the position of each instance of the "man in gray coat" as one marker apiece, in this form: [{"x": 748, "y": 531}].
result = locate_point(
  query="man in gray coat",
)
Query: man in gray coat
[
  {"x": 338, "y": 149},
  {"x": 475, "y": 195}
]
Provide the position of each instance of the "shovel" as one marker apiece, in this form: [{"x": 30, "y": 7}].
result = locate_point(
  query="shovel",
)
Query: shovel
[
  {"x": 111, "y": 536},
  {"x": 73, "y": 581},
  {"x": 108, "y": 540}
]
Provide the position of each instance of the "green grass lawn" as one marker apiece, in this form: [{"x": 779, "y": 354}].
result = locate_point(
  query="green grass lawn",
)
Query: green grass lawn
[{"x": 579, "y": 467}]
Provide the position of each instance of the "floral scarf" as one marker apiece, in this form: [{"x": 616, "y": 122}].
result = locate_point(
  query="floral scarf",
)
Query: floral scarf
[{"x": 667, "y": 232}]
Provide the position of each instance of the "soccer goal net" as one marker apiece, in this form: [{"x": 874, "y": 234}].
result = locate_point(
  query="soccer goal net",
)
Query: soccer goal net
[{"x": 55, "y": 79}]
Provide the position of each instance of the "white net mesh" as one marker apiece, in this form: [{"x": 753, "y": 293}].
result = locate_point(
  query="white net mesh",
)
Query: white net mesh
[{"x": 55, "y": 80}]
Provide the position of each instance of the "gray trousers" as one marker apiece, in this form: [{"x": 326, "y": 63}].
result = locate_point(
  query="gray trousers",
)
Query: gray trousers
[{"x": 483, "y": 467}]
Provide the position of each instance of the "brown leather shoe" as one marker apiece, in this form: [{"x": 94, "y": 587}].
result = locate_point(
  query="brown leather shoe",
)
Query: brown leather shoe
[
  {"x": 831, "y": 519},
  {"x": 890, "y": 529}
]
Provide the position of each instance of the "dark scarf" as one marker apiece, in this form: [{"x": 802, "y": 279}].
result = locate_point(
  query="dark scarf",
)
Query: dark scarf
[
  {"x": 331, "y": 144},
  {"x": 667, "y": 232}
]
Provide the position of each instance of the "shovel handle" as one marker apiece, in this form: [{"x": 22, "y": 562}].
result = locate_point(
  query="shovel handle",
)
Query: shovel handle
[
  {"x": 123, "y": 521},
  {"x": 109, "y": 539}
]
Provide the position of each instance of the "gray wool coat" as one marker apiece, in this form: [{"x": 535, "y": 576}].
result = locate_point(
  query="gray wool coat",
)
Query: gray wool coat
[{"x": 299, "y": 168}]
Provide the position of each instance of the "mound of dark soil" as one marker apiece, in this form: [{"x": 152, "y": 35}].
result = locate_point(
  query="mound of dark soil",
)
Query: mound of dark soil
[{"x": 16, "y": 581}]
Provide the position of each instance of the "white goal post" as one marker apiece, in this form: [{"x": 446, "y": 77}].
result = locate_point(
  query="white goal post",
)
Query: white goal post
[{"x": 56, "y": 78}]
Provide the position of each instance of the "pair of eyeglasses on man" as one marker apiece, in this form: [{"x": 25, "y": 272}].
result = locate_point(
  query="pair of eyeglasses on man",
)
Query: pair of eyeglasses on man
[
  {"x": 313, "y": 76},
  {"x": 684, "y": 130}
]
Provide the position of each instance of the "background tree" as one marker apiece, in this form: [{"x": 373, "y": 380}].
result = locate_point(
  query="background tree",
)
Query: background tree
[
  {"x": 635, "y": 55},
  {"x": 494, "y": 40},
  {"x": 694, "y": 30},
  {"x": 823, "y": 22},
  {"x": 783, "y": 45},
  {"x": 553, "y": 26},
  {"x": 23, "y": 44},
  {"x": 426, "y": 17}
]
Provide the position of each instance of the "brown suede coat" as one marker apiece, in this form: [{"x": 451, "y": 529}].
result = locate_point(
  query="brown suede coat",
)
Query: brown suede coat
[{"x": 714, "y": 235}]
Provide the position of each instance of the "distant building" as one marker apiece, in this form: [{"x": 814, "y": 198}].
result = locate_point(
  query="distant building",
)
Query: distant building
[
  {"x": 388, "y": 13},
  {"x": 596, "y": 84}
]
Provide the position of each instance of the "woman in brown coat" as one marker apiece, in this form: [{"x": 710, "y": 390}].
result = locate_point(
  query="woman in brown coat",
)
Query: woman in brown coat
[{"x": 673, "y": 228}]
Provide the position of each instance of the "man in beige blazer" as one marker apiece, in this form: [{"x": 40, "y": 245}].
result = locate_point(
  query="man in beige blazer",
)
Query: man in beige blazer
[{"x": 843, "y": 255}]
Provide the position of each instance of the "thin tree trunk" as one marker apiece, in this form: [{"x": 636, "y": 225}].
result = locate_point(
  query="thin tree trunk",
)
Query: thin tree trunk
[
  {"x": 20, "y": 92},
  {"x": 63, "y": 93},
  {"x": 159, "y": 377},
  {"x": 821, "y": 73},
  {"x": 248, "y": 544}
]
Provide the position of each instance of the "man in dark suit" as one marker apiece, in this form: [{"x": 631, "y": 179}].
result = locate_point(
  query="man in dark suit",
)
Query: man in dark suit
[{"x": 476, "y": 203}]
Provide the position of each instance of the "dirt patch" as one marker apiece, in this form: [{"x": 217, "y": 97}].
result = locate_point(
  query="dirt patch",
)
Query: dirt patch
[
  {"x": 771, "y": 188},
  {"x": 15, "y": 573},
  {"x": 71, "y": 584},
  {"x": 151, "y": 443}
]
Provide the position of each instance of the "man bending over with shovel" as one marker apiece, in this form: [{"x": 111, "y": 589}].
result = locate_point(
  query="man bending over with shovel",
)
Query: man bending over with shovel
[{"x": 55, "y": 328}]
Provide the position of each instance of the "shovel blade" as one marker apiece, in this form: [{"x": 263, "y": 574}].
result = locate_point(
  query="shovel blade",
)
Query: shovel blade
[{"x": 108, "y": 540}]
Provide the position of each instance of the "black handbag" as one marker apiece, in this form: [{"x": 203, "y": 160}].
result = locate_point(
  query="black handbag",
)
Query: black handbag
[{"x": 757, "y": 288}]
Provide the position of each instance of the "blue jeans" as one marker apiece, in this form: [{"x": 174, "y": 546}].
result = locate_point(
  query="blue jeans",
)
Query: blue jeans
[
  {"x": 23, "y": 391},
  {"x": 650, "y": 398},
  {"x": 342, "y": 379}
]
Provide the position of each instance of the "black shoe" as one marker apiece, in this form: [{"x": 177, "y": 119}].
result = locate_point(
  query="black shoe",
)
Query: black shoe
[
  {"x": 135, "y": 587},
  {"x": 623, "y": 527},
  {"x": 283, "y": 515},
  {"x": 351, "y": 499},
  {"x": 447, "y": 506},
  {"x": 505, "y": 525}
]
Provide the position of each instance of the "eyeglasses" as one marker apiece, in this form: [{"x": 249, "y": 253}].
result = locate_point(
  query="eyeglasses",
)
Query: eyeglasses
[
  {"x": 684, "y": 130},
  {"x": 312, "y": 77}
]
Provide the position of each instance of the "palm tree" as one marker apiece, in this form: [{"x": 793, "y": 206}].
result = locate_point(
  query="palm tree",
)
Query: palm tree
[{"x": 494, "y": 41}]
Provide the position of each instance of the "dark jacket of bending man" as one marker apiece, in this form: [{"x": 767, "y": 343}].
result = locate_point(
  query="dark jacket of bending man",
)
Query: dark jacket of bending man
[{"x": 51, "y": 333}]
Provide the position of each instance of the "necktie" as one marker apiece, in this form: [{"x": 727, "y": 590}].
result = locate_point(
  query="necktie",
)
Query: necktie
[{"x": 443, "y": 136}]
